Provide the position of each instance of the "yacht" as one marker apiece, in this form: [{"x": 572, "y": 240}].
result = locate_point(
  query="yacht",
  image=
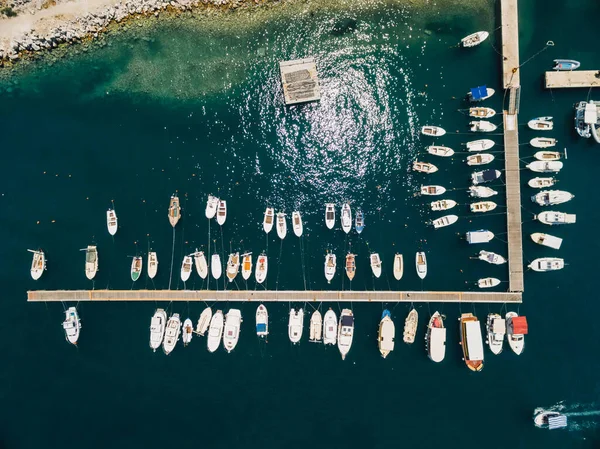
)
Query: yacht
[
  {"x": 222, "y": 212},
  {"x": 111, "y": 221},
  {"x": 329, "y": 215},
  {"x": 233, "y": 266},
  {"x": 345, "y": 332},
  {"x": 398, "y": 266},
  {"x": 172, "y": 332},
  {"x": 330, "y": 328},
  {"x": 297, "y": 223},
  {"x": 188, "y": 332},
  {"x": 410, "y": 326},
  {"x": 436, "y": 338},
  {"x": 496, "y": 329},
  {"x": 38, "y": 264},
  {"x": 157, "y": 328},
  {"x": 174, "y": 210},
  {"x": 295, "y": 325},
  {"x": 346, "y": 218},
  {"x": 262, "y": 265},
  {"x": 547, "y": 264},
  {"x": 281, "y": 225},
  {"x": 471, "y": 341},
  {"x": 387, "y": 332},
  {"x": 375, "y": 264},
  {"x": 316, "y": 327},
  {"x": 516, "y": 329},
  {"x": 586, "y": 117},
  {"x": 215, "y": 266},
  {"x": 201, "y": 264},
  {"x": 91, "y": 261},
  {"x": 152, "y": 264},
  {"x": 215, "y": 331},
  {"x": 186, "y": 268},
  {"x": 211, "y": 206},
  {"x": 330, "y": 264},
  {"x": 231, "y": 332},
  {"x": 204, "y": 321},
  {"x": 350, "y": 265},
  {"x": 71, "y": 325},
  {"x": 262, "y": 321},
  {"x": 553, "y": 218},
  {"x": 421, "y": 264},
  {"x": 268, "y": 219},
  {"x": 552, "y": 197}
]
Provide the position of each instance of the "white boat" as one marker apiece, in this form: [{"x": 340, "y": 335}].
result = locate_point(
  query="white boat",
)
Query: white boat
[
  {"x": 215, "y": 331},
  {"x": 410, "y": 326},
  {"x": 297, "y": 223},
  {"x": 482, "y": 93},
  {"x": 542, "y": 142},
  {"x": 172, "y": 333},
  {"x": 246, "y": 266},
  {"x": 481, "y": 112},
  {"x": 91, "y": 261},
  {"x": 481, "y": 192},
  {"x": 152, "y": 264},
  {"x": 493, "y": 258},
  {"x": 553, "y": 218},
  {"x": 330, "y": 328},
  {"x": 233, "y": 266},
  {"x": 480, "y": 236},
  {"x": 157, "y": 328},
  {"x": 71, "y": 325},
  {"x": 231, "y": 332},
  {"x": 329, "y": 215},
  {"x": 432, "y": 190},
  {"x": 204, "y": 321},
  {"x": 398, "y": 266},
  {"x": 480, "y": 145},
  {"x": 482, "y": 206},
  {"x": 474, "y": 39},
  {"x": 546, "y": 419},
  {"x": 547, "y": 155},
  {"x": 215, "y": 266},
  {"x": 262, "y": 321},
  {"x": 387, "y": 333},
  {"x": 346, "y": 218},
  {"x": 442, "y": 205},
  {"x": 434, "y": 131},
  {"x": 211, "y": 206},
  {"x": 516, "y": 329},
  {"x": 566, "y": 64},
  {"x": 421, "y": 264},
  {"x": 316, "y": 327},
  {"x": 482, "y": 126},
  {"x": 546, "y": 240},
  {"x": 438, "y": 150},
  {"x": 541, "y": 124},
  {"x": 281, "y": 225},
  {"x": 539, "y": 183},
  {"x": 436, "y": 338},
  {"x": 330, "y": 265},
  {"x": 495, "y": 329},
  {"x": 444, "y": 221},
  {"x": 38, "y": 264},
  {"x": 186, "y": 268},
  {"x": 268, "y": 219},
  {"x": 345, "y": 332},
  {"x": 262, "y": 265},
  {"x": 350, "y": 265},
  {"x": 375, "y": 264},
  {"x": 552, "y": 197},
  {"x": 471, "y": 341},
  {"x": 188, "y": 332},
  {"x": 547, "y": 264},
  {"x": 136, "y": 268},
  {"x": 201, "y": 264},
  {"x": 480, "y": 177},
  {"x": 480, "y": 159},
  {"x": 424, "y": 167},
  {"x": 222, "y": 212},
  {"x": 545, "y": 166},
  {"x": 111, "y": 221},
  {"x": 174, "y": 210},
  {"x": 295, "y": 325},
  {"x": 488, "y": 282}
]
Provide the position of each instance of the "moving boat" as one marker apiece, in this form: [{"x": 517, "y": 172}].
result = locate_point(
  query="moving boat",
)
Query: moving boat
[
  {"x": 480, "y": 236},
  {"x": 482, "y": 206},
  {"x": 547, "y": 155},
  {"x": 437, "y": 150},
  {"x": 111, "y": 221},
  {"x": 495, "y": 328},
  {"x": 38, "y": 264},
  {"x": 215, "y": 266},
  {"x": 281, "y": 225},
  {"x": 71, "y": 325},
  {"x": 329, "y": 215},
  {"x": 474, "y": 39},
  {"x": 375, "y": 264},
  {"x": 174, "y": 210},
  {"x": 204, "y": 321},
  {"x": 186, "y": 268},
  {"x": 480, "y": 159},
  {"x": 136, "y": 268},
  {"x": 268, "y": 219},
  {"x": 410, "y": 326},
  {"x": 541, "y": 124},
  {"x": 480, "y": 177},
  {"x": 222, "y": 212},
  {"x": 547, "y": 264},
  {"x": 546, "y": 240},
  {"x": 480, "y": 93},
  {"x": 246, "y": 266},
  {"x": 211, "y": 206},
  {"x": 345, "y": 332},
  {"x": 215, "y": 331},
  {"x": 471, "y": 341},
  {"x": 398, "y": 266},
  {"x": 359, "y": 222},
  {"x": 424, "y": 167},
  {"x": 330, "y": 264},
  {"x": 542, "y": 142},
  {"x": 91, "y": 261},
  {"x": 552, "y": 197},
  {"x": 481, "y": 112},
  {"x": 346, "y": 218},
  {"x": 516, "y": 329},
  {"x": 444, "y": 221},
  {"x": 188, "y": 332},
  {"x": 436, "y": 338},
  {"x": 481, "y": 192},
  {"x": 350, "y": 265},
  {"x": 387, "y": 332},
  {"x": 201, "y": 264},
  {"x": 482, "y": 126},
  {"x": 233, "y": 266},
  {"x": 297, "y": 223},
  {"x": 550, "y": 420},
  {"x": 442, "y": 205},
  {"x": 488, "y": 282},
  {"x": 566, "y": 64},
  {"x": 152, "y": 264},
  {"x": 231, "y": 332},
  {"x": 434, "y": 131},
  {"x": 538, "y": 183},
  {"x": 172, "y": 332},
  {"x": 545, "y": 167},
  {"x": 421, "y": 264},
  {"x": 432, "y": 190},
  {"x": 157, "y": 328},
  {"x": 330, "y": 328},
  {"x": 316, "y": 327},
  {"x": 555, "y": 218},
  {"x": 295, "y": 325},
  {"x": 480, "y": 145},
  {"x": 493, "y": 258},
  {"x": 262, "y": 265},
  {"x": 262, "y": 321}
]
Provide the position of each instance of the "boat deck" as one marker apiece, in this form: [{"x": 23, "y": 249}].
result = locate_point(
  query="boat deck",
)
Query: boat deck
[{"x": 572, "y": 79}]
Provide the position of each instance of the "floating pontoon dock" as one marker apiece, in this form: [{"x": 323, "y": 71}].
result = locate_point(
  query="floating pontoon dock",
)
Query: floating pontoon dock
[
  {"x": 300, "y": 81},
  {"x": 572, "y": 79}
]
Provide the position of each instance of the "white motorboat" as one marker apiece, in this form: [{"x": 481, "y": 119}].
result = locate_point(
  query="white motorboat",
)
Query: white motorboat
[
  {"x": 516, "y": 329},
  {"x": 329, "y": 215},
  {"x": 546, "y": 419},
  {"x": 471, "y": 341},
  {"x": 424, "y": 167},
  {"x": 71, "y": 325},
  {"x": 442, "y": 205},
  {"x": 433, "y": 190},
  {"x": 474, "y": 39},
  {"x": 493, "y": 258},
  {"x": 281, "y": 225},
  {"x": 488, "y": 282},
  {"x": 157, "y": 328},
  {"x": 438, "y": 150},
  {"x": 152, "y": 264},
  {"x": 546, "y": 240},
  {"x": 552, "y": 197},
  {"x": 38, "y": 264},
  {"x": 262, "y": 265},
  {"x": 480, "y": 145},
  {"x": 444, "y": 221},
  {"x": 480, "y": 159},
  {"x": 545, "y": 166},
  {"x": 204, "y": 321},
  {"x": 481, "y": 93},
  {"x": 553, "y": 218},
  {"x": 345, "y": 332},
  {"x": 421, "y": 264},
  {"x": 246, "y": 266},
  {"x": 262, "y": 321},
  {"x": 346, "y": 218},
  {"x": 480, "y": 177},
  {"x": 398, "y": 266},
  {"x": 233, "y": 266},
  {"x": 480, "y": 236},
  {"x": 174, "y": 210},
  {"x": 542, "y": 142},
  {"x": 482, "y": 206},
  {"x": 410, "y": 326},
  {"x": 359, "y": 222},
  {"x": 547, "y": 155},
  {"x": 268, "y": 219},
  {"x": 172, "y": 333},
  {"x": 330, "y": 265},
  {"x": 481, "y": 192},
  {"x": 539, "y": 183},
  {"x": 188, "y": 332},
  {"x": 316, "y": 327},
  {"x": 91, "y": 261},
  {"x": 434, "y": 131},
  {"x": 295, "y": 325},
  {"x": 297, "y": 223},
  {"x": 111, "y": 221},
  {"x": 136, "y": 268},
  {"x": 541, "y": 124},
  {"x": 482, "y": 126},
  {"x": 231, "y": 332},
  {"x": 211, "y": 206},
  {"x": 222, "y": 212},
  {"x": 387, "y": 333},
  {"x": 186, "y": 268},
  {"x": 566, "y": 64},
  {"x": 495, "y": 329},
  {"x": 330, "y": 328},
  {"x": 375, "y": 264},
  {"x": 436, "y": 338},
  {"x": 350, "y": 265},
  {"x": 201, "y": 264},
  {"x": 215, "y": 266},
  {"x": 215, "y": 331},
  {"x": 481, "y": 112},
  {"x": 547, "y": 264}
]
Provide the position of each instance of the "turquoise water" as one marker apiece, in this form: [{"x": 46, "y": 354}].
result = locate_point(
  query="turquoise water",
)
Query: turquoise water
[{"x": 194, "y": 106}]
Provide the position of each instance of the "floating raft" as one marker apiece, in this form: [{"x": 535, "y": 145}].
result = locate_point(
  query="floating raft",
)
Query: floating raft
[
  {"x": 572, "y": 78},
  {"x": 300, "y": 81}
]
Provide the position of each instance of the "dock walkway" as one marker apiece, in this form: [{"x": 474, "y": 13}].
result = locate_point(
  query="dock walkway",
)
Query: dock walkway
[
  {"x": 572, "y": 79},
  {"x": 510, "y": 43}
]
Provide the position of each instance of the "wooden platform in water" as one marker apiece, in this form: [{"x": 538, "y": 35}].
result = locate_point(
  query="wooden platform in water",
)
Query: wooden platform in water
[
  {"x": 268, "y": 296},
  {"x": 510, "y": 43},
  {"x": 300, "y": 81},
  {"x": 572, "y": 79}
]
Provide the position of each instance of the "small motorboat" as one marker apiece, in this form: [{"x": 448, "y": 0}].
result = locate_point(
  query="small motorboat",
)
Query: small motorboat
[
  {"x": 552, "y": 197},
  {"x": 493, "y": 258},
  {"x": 346, "y": 218},
  {"x": 233, "y": 266},
  {"x": 38, "y": 264},
  {"x": 268, "y": 219},
  {"x": 186, "y": 268},
  {"x": 547, "y": 155},
  {"x": 262, "y": 321},
  {"x": 436, "y": 338},
  {"x": 480, "y": 93},
  {"x": 330, "y": 264},
  {"x": 174, "y": 210},
  {"x": 547, "y": 264},
  {"x": 424, "y": 167},
  {"x": 480, "y": 236},
  {"x": 375, "y": 264},
  {"x": 541, "y": 124},
  {"x": 350, "y": 265},
  {"x": 297, "y": 223},
  {"x": 474, "y": 39},
  {"x": 488, "y": 282},
  {"x": 111, "y": 221},
  {"x": 188, "y": 332},
  {"x": 91, "y": 261},
  {"x": 316, "y": 327},
  {"x": 410, "y": 326},
  {"x": 330, "y": 328},
  {"x": 398, "y": 266},
  {"x": 152, "y": 264},
  {"x": 437, "y": 150},
  {"x": 157, "y": 328},
  {"x": 295, "y": 325},
  {"x": 204, "y": 321},
  {"x": 546, "y": 240},
  {"x": 542, "y": 142},
  {"x": 496, "y": 329},
  {"x": 481, "y": 112},
  {"x": 553, "y": 218},
  {"x": 444, "y": 221},
  {"x": 432, "y": 190},
  {"x": 434, "y": 131},
  {"x": 211, "y": 206},
  {"x": 281, "y": 225},
  {"x": 539, "y": 183},
  {"x": 482, "y": 206},
  {"x": 172, "y": 333},
  {"x": 71, "y": 325},
  {"x": 329, "y": 215},
  {"x": 481, "y": 192},
  {"x": 231, "y": 331},
  {"x": 565, "y": 64},
  {"x": 136, "y": 268},
  {"x": 480, "y": 159},
  {"x": 201, "y": 264},
  {"x": 550, "y": 420},
  {"x": 545, "y": 166},
  {"x": 421, "y": 264},
  {"x": 359, "y": 222},
  {"x": 222, "y": 212},
  {"x": 480, "y": 177},
  {"x": 482, "y": 126},
  {"x": 262, "y": 265},
  {"x": 345, "y": 332},
  {"x": 246, "y": 266},
  {"x": 516, "y": 329},
  {"x": 215, "y": 265},
  {"x": 387, "y": 333},
  {"x": 480, "y": 145},
  {"x": 442, "y": 205},
  {"x": 215, "y": 331}
]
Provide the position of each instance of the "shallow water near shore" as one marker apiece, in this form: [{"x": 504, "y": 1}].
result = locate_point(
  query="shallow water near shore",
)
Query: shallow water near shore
[{"x": 193, "y": 105}]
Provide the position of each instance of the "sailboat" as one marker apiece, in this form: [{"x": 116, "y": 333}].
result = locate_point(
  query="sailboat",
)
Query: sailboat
[
  {"x": 480, "y": 145},
  {"x": 246, "y": 266},
  {"x": 71, "y": 325},
  {"x": 346, "y": 218},
  {"x": 350, "y": 265},
  {"x": 186, "y": 268},
  {"x": 215, "y": 331},
  {"x": 516, "y": 329},
  {"x": 359, "y": 222},
  {"x": 410, "y": 326},
  {"x": 438, "y": 150},
  {"x": 436, "y": 338},
  {"x": 375, "y": 264},
  {"x": 188, "y": 332},
  {"x": 398, "y": 266},
  {"x": 211, "y": 206},
  {"x": 434, "y": 131},
  {"x": 157, "y": 328},
  {"x": 172, "y": 332},
  {"x": 281, "y": 225},
  {"x": 91, "y": 261},
  {"x": 297, "y": 223},
  {"x": 330, "y": 328},
  {"x": 215, "y": 266},
  {"x": 421, "y": 264},
  {"x": 201, "y": 264},
  {"x": 222, "y": 212},
  {"x": 295, "y": 325},
  {"x": 316, "y": 327},
  {"x": 174, "y": 210},
  {"x": 496, "y": 328},
  {"x": 330, "y": 265},
  {"x": 136, "y": 268},
  {"x": 268, "y": 219},
  {"x": 329, "y": 215},
  {"x": 387, "y": 332},
  {"x": 152, "y": 264},
  {"x": 204, "y": 321},
  {"x": 482, "y": 206},
  {"x": 233, "y": 266},
  {"x": 231, "y": 332},
  {"x": 111, "y": 221},
  {"x": 38, "y": 264},
  {"x": 345, "y": 332},
  {"x": 262, "y": 321},
  {"x": 474, "y": 39},
  {"x": 261, "y": 268},
  {"x": 471, "y": 341}
]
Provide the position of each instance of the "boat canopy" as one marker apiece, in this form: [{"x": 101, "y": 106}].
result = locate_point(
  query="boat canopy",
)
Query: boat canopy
[
  {"x": 480, "y": 236},
  {"x": 499, "y": 326},
  {"x": 474, "y": 340},
  {"x": 590, "y": 116},
  {"x": 489, "y": 175},
  {"x": 479, "y": 92},
  {"x": 347, "y": 320},
  {"x": 557, "y": 422},
  {"x": 261, "y": 327},
  {"x": 437, "y": 342},
  {"x": 519, "y": 325}
]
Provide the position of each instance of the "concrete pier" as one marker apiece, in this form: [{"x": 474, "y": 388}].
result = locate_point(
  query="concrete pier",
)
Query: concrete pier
[
  {"x": 510, "y": 43},
  {"x": 572, "y": 79}
]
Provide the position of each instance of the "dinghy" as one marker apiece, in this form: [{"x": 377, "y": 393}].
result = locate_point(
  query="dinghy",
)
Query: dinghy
[
  {"x": 215, "y": 266},
  {"x": 201, "y": 264},
  {"x": 204, "y": 321},
  {"x": 350, "y": 265},
  {"x": 211, "y": 206},
  {"x": 437, "y": 150},
  {"x": 262, "y": 321},
  {"x": 474, "y": 39},
  {"x": 152, "y": 264},
  {"x": 71, "y": 325},
  {"x": 547, "y": 264},
  {"x": 330, "y": 264},
  {"x": 482, "y": 126},
  {"x": 136, "y": 268},
  {"x": 480, "y": 177},
  {"x": 436, "y": 338},
  {"x": 398, "y": 266},
  {"x": 493, "y": 258},
  {"x": 387, "y": 332},
  {"x": 329, "y": 215},
  {"x": 233, "y": 266},
  {"x": 345, "y": 332},
  {"x": 546, "y": 240},
  {"x": 442, "y": 205},
  {"x": 432, "y": 190},
  {"x": 186, "y": 268},
  {"x": 516, "y": 329},
  {"x": 480, "y": 159},
  {"x": 545, "y": 167},
  {"x": 38, "y": 264},
  {"x": 231, "y": 331},
  {"x": 188, "y": 332},
  {"x": 262, "y": 265},
  {"x": 538, "y": 183},
  {"x": 444, "y": 221},
  {"x": 496, "y": 329},
  {"x": 541, "y": 124},
  {"x": 542, "y": 142},
  {"x": 552, "y": 197},
  {"x": 480, "y": 236},
  {"x": 434, "y": 131},
  {"x": 297, "y": 223},
  {"x": 157, "y": 328},
  {"x": 565, "y": 64},
  {"x": 172, "y": 333},
  {"x": 421, "y": 264},
  {"x": 481, "y": 112},
  {"x": 553, "y": 218},
  {"x": 111, "y": 221},
  {"x": 359, "y": 223},
  {"x": 480, "y": 93},
  {"x": 480, "y": 145},
  {"x": 346, "y": 218},
  {"x": 547, "y": 155},
  {"x": 281, "y": 225},
  {"x": 375, "y": 264},
  {"x": 471, "y": 341},
  {"x": 410, "y": 326},
  {"x": 91, "y": 261},
  {"x": 482, "y": 206},
  {"x": 295, "y": 325},
  {"x": 316, "y": 327},
  {"x": 424, "y": 167},
  {"x": 215, "y": 331},
  {"x": 481, "y": 192},
  {"x": 268, "y": 219},
  {"x": 174, "y": 210},
  {"x": 246, "y": 266},
  {"x": 330, "y": 328},
  {"x": 222, "y": 212},
  {"x": 488, "y": 282}
]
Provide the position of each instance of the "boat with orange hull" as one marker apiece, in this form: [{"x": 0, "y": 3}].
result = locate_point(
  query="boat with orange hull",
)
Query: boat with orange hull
[{"x": 471, "y": 341}]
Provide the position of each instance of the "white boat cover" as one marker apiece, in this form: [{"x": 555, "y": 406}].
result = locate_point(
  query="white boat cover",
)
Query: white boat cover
[
  {"x": 590, "y": 115},
  {"x": 474, "y": 340},
  {"x": 437, "y": 344},
  {"x": 499, "y": 326},
  {"x": 481, "y": 236},
  {"x": 388, "y": 331},
  {"x": 557, "y": 422}
]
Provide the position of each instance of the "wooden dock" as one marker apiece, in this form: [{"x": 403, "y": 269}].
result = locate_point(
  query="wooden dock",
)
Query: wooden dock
[
  {"x": 269, "y": 296},
  {"x": 300, "y": 81},
  {"x": 572, "y": 79},
  {"x": 510, "y": 43}
]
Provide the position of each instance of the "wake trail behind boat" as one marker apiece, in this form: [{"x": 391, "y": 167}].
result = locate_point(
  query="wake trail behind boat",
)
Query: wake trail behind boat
[{"x": 590, "y": 413}]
